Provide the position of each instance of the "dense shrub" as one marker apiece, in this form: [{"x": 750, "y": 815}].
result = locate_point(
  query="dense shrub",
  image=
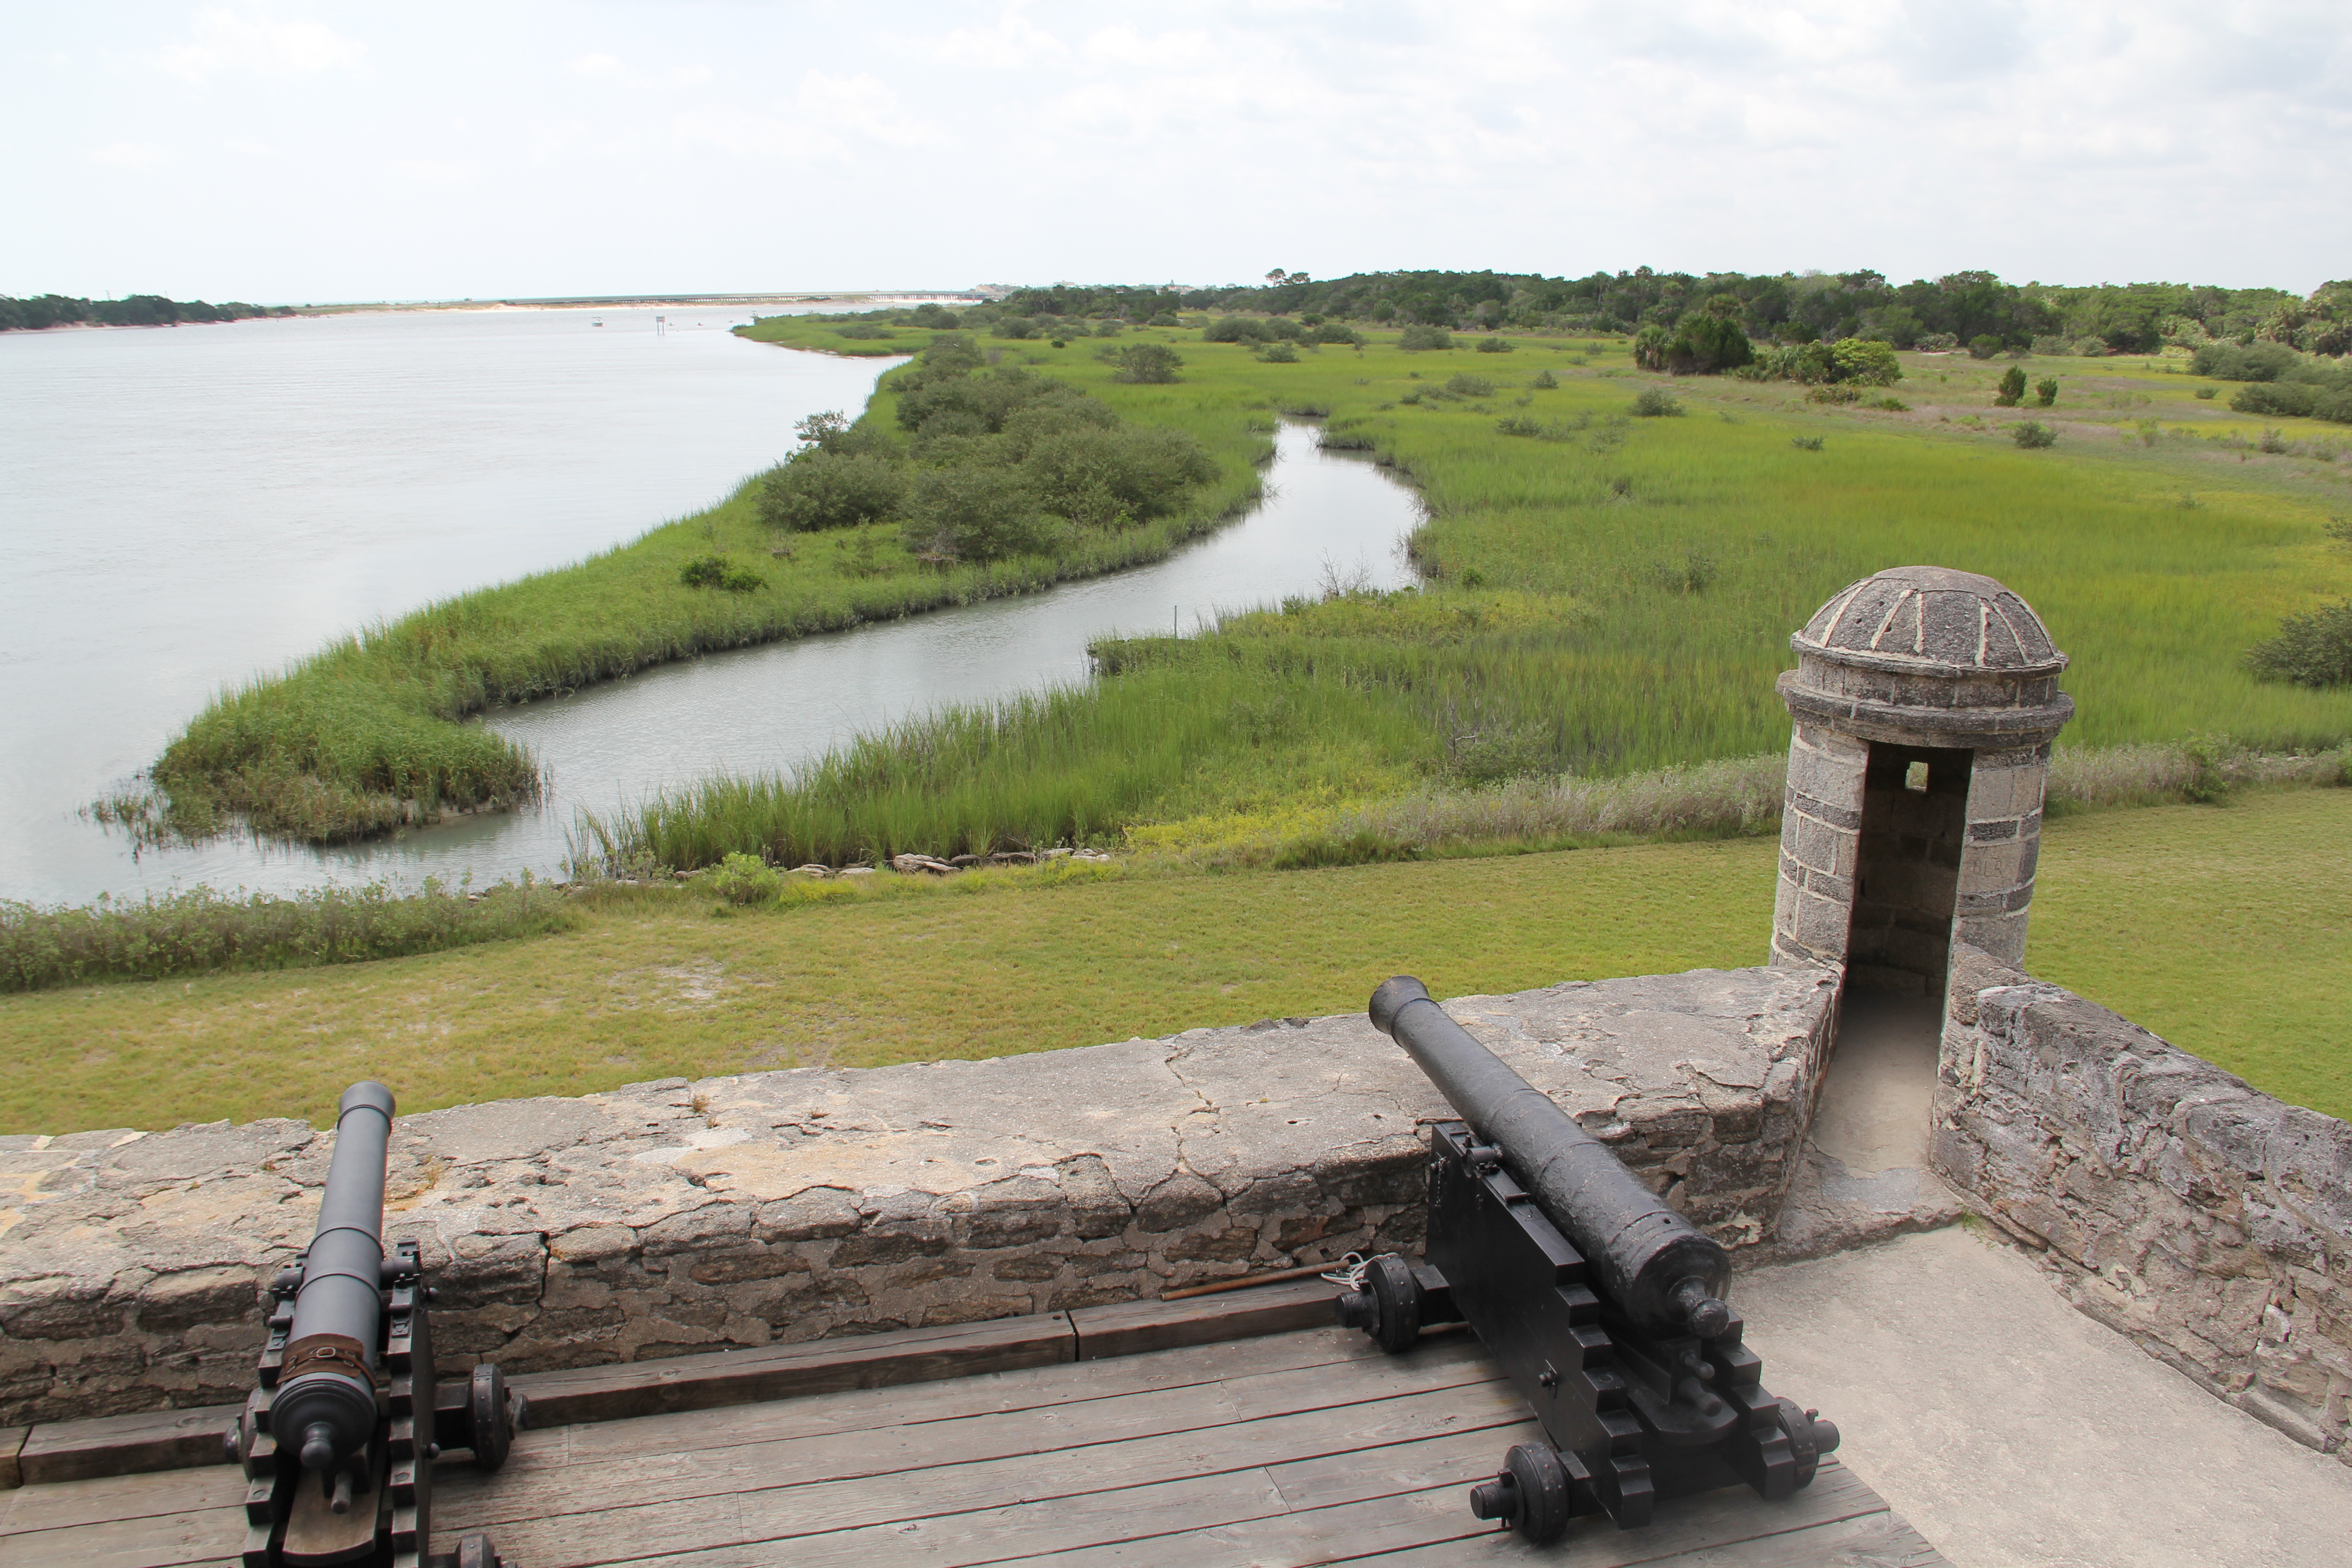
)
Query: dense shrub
[
  {"x": 1652, "y": 402},
  {"x": 743, "y": 879},
  {"x": 2013, "y": 388},
  {"x": 1545, "y": 379},
  {"x": 2313, "y": 649},
  {"x": 2034, "y": 433},
  {"x": 1147, "y": 364},
  {"x": 2253, "y": 362},
  {"x": 1863, "y": 361},
  {"x": 1494, "y": 346},
  {"x": 1463, "y": 384},
  {"x": 974, "y": 513},
  {"x": 820, "y": 490},
  {"x": 1102, "y": 477},
  {"x": 2303, "y": 399},
  {"x": 1278, "y": 354},
  {"x": 1333, "y": 332},
  {"x": 1420, "y": 336},
  {"x": 2045, "y": 392}
]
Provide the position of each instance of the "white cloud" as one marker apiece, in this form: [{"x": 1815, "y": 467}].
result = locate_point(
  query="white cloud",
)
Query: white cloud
[{"x": 258, "y": 44}]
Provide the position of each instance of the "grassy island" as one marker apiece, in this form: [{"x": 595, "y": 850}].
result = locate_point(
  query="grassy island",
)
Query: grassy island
[{"x": 366, "y": 735}]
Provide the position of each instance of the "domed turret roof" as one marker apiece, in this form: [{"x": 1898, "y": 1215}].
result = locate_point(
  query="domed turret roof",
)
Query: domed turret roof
[{"x": 1931, "y": 620}]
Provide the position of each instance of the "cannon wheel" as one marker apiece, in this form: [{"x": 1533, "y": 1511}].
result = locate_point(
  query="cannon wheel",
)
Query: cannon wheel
[
  {"x": 1808, "y": 1439},
  {"x": 1396, "y": 1295},
  {"x": 1532, "y": 1494},
  {"x": 489, "y": 1420}
]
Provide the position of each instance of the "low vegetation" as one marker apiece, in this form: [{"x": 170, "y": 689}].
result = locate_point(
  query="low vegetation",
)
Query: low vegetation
[
  {"x": 2227, "y": 930},
  {"x": 200, "y": 932}
]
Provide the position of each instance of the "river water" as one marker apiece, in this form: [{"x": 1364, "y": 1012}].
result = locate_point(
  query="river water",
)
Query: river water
[{"x": 185, "y": 508}]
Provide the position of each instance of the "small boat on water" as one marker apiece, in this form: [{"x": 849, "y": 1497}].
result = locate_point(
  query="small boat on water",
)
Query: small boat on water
[{"x": 598, "y": 321}]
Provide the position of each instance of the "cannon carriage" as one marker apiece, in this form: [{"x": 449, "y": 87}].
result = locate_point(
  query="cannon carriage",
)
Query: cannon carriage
[
  {"x": 338, "y": 1437},
  {"x": 1602, "y": 1305}
]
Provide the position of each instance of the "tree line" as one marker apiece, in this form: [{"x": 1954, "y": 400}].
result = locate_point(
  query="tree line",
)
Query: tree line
[
  {"x": 43, "y": 310},
  {"x": 1974, "y": 309}
]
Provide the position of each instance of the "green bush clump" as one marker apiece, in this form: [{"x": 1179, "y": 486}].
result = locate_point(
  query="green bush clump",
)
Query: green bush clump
[
  {"x": 2312, "y": 650},
  {"x": 200, "y": 932},
  {"x": 1494, "y": 346},
  {"x": 1656, "y": 402},
  {"x": 1702, "y": 342},
  {"x": 2045, "y": 392},
  {"x": 718, "y": 572},
  {"x": 1419, "y": 337},
  {"x": 2206, "y": 394},
  {"x": 2301, "y": 399},
  {"x": 974, "y": 513},
  {"x": 743, "y": 879},
  {"x": 1462, "y": 384},
  {"x": 2247, "y": 362},
  {"x": 820, "y": 488},
  {"x": 1517, "y": 424},
  {"x": 2013, "y": 388},
  {"x": 1806, "y": 443},
  {"x": 1278, "y": 354},
  {"x": 1333, "y": 332},
  {"x": 2032, "y": 434},
  {"x": 1864, "y": 362},
  {"x": 1545, "y": 379},
  {"x": 1147, "y": 364}
]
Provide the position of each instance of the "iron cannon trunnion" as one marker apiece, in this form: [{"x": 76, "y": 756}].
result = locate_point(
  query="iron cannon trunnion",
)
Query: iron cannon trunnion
[{"x": 1622, "y": 1346}]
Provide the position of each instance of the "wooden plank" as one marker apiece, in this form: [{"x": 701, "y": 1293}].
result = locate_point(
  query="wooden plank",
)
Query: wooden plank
[
  {"x": 917, "y": 1453},
  {"x": 780, "y": 1372},
  {"x": 170, "y": 1541},
  {"x": 124, "y": 1444},
  {"x": 136, "y": 1496},
  {"x": 668, "y": 1526},
  {"x": 169, "y": 1439},
  {"x": 1722, "y": 1530},
  {"x": 1335, "y": 1353},
  {"x": 1133, "y": 1327},
  {"x": 1013, "y": 1532}
]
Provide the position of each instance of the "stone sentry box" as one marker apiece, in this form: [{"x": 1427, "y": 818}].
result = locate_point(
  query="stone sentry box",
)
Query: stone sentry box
[{"x": 1926, "y": 701}]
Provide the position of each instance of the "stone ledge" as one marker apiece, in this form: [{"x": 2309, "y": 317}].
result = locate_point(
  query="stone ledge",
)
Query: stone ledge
[
  {"x": 673, "y": 1217},
  {"x": 2209, "y": 1222}
]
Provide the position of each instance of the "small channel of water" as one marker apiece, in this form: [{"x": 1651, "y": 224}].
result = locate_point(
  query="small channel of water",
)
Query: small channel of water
[{"x": 774, "y": 708}]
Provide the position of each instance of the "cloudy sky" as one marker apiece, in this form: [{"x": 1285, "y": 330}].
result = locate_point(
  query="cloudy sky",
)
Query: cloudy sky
[{"x": 296, "y": 152}]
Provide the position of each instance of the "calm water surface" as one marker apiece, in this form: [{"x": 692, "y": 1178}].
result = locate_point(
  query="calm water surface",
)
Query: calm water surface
[{"x": 185, "y": 508}]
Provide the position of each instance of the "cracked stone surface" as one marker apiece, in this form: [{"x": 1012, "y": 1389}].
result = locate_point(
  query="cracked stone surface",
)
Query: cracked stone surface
[
  {"x": 2170, "y": 1200},
  {"x": 675, "y": 1216}
]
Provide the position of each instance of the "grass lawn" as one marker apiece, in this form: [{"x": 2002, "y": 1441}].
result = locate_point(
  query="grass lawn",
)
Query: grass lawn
[{"x": 2228, "y": 930}]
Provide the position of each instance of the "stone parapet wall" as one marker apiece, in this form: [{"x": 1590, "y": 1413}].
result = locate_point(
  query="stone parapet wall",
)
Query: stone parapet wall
[
  {"x": 2210, "y": 1222},
  {"x": 678, "y": 1217}
]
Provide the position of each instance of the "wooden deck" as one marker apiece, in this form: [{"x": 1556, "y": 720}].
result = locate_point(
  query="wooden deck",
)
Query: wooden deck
[{"x": 1307, "y": 1446}]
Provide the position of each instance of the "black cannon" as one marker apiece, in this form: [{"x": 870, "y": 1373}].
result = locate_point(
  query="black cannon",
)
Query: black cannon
[
  {"x": 1602, "y": 1305},
  {"x": 338, "y": 1437}
]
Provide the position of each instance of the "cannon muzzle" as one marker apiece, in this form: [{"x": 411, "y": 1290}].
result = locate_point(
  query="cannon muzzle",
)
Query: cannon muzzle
[
  {"x": 1663, "y": 1273},
  {"x": 325, "y": 1407}
]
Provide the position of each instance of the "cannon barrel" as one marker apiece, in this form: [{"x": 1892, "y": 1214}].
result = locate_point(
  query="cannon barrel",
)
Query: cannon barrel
[
  {"x": 1666, "y": 1275},
  {"x": 325, "y": 1407}
]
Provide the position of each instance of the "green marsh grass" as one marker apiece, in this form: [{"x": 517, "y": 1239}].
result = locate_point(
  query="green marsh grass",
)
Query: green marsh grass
[
  {"x": 1612, "y": 600},
  {"x": 2227, "y": 930},
  {"x": 367, "y": 734}
]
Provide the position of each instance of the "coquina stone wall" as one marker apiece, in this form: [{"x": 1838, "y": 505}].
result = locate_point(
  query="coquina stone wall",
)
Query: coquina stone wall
[
  {"x": 2210, "y": 1222},
  {"x": 680, "y": 1216}
]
